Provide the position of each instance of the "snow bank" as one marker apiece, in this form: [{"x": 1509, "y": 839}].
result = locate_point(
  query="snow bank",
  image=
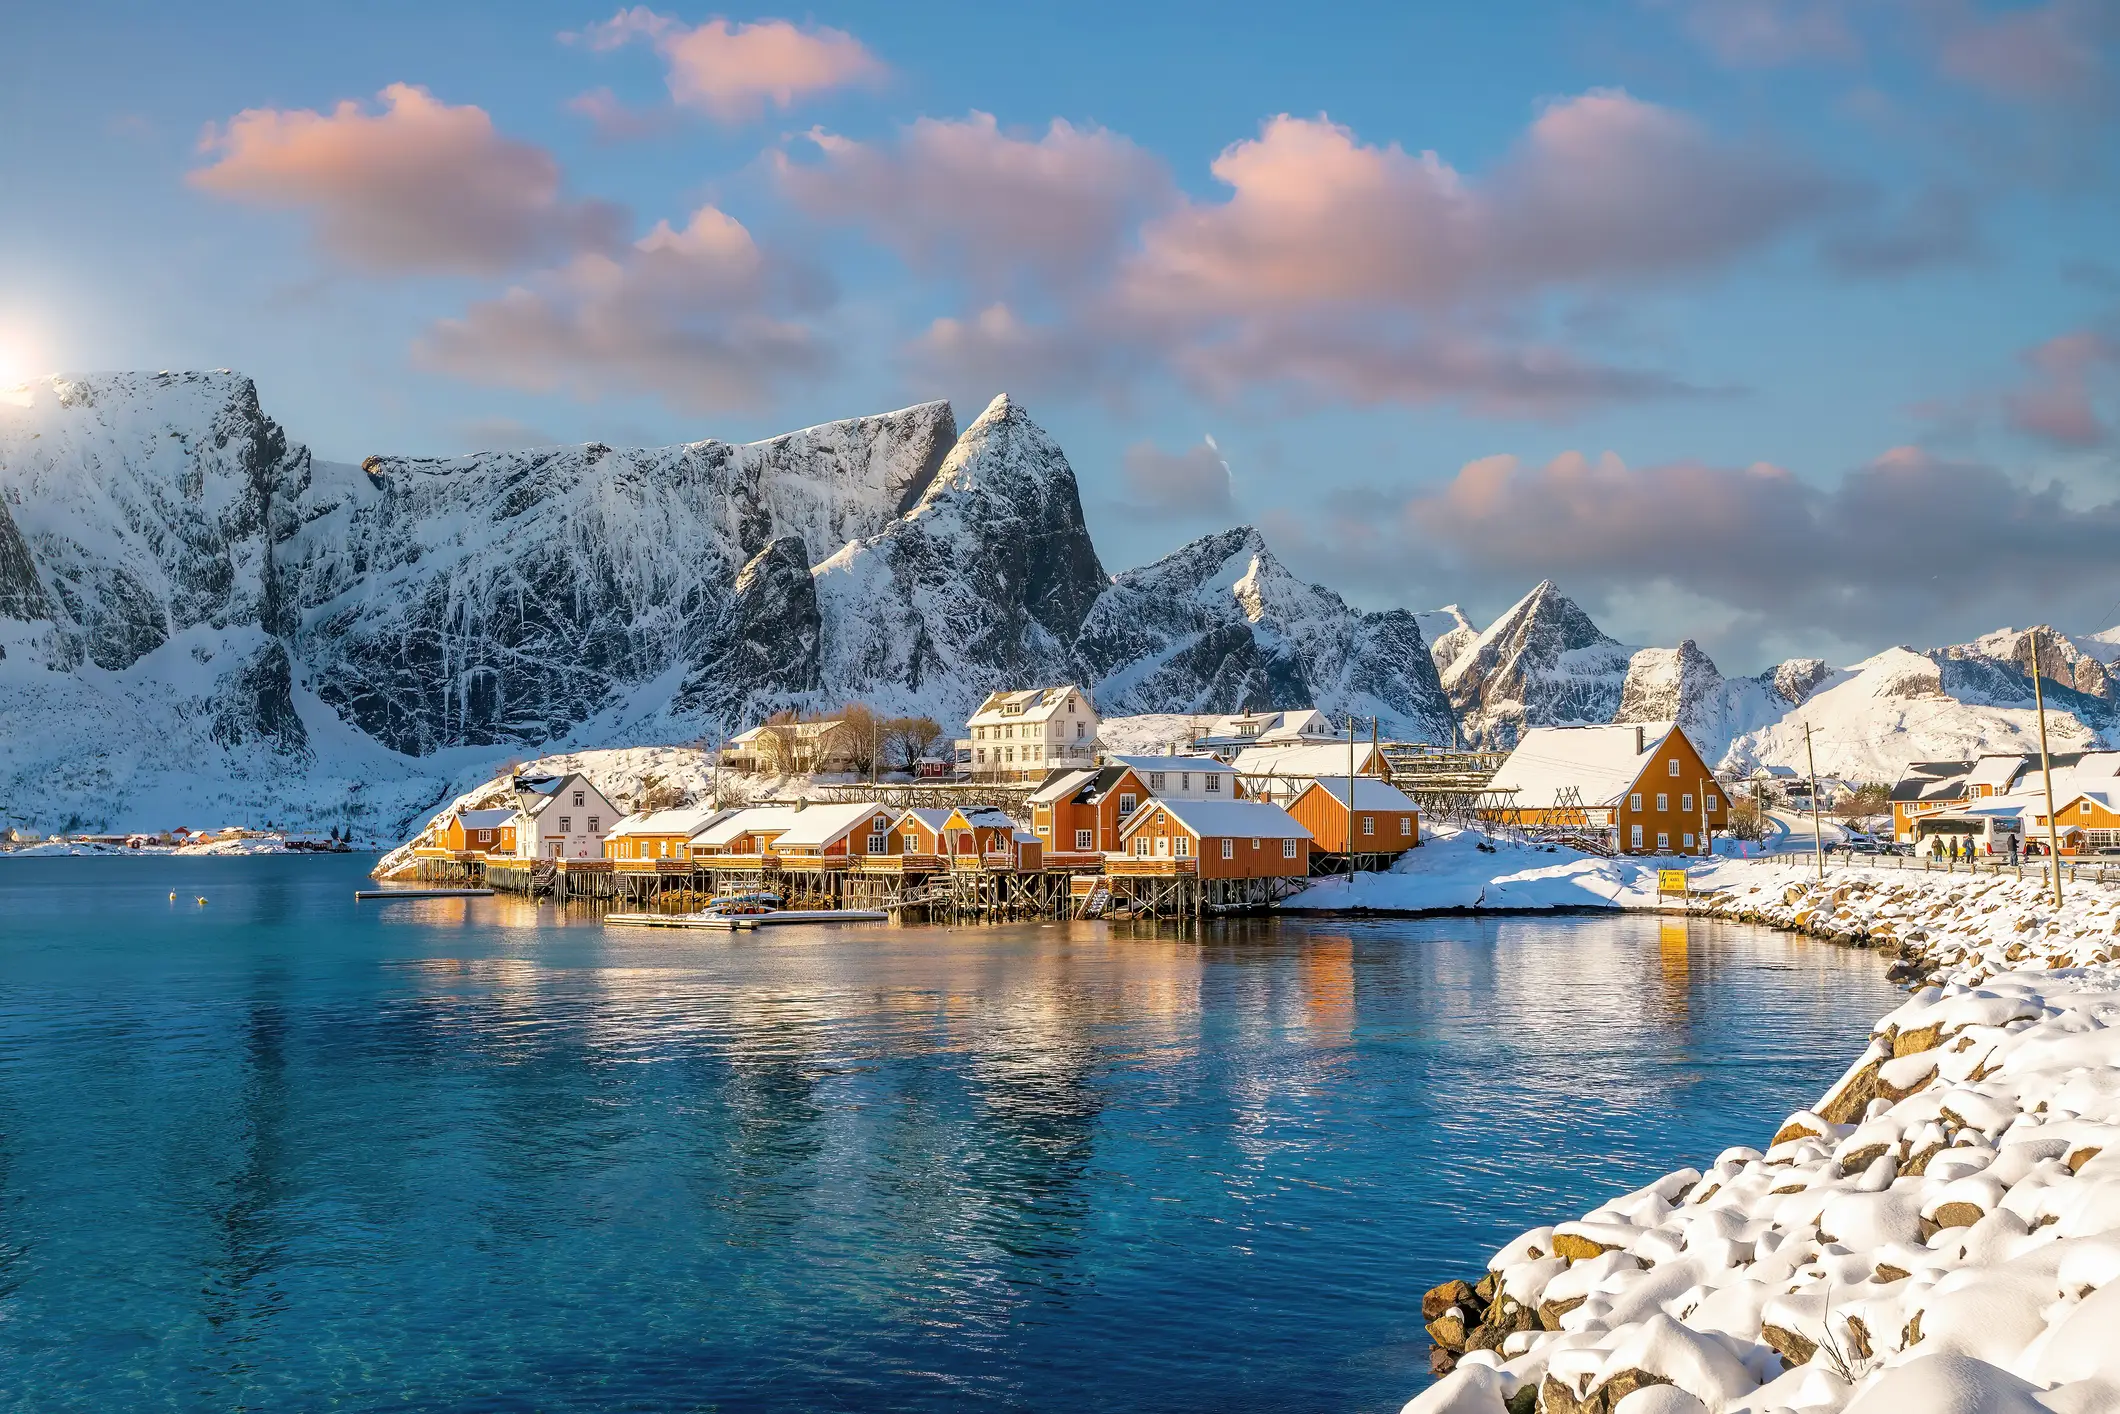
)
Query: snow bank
[
  {"x": 1940, "y": 1232},
  {"x": 1466, "y": 869}
]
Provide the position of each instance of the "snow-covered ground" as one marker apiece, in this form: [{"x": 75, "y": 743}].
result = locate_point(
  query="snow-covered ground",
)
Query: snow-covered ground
[{"x": 1940, "y": 1234}]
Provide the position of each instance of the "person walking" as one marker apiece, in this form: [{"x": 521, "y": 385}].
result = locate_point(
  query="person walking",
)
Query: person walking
[{"x": 2013, "y": 851}]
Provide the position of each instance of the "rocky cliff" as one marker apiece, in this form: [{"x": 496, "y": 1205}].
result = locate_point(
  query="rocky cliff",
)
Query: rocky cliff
[{"x": 1543, "y": 663}]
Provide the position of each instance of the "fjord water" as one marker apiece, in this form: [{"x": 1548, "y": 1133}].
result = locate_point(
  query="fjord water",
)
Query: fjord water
[{"x": 283, "y": 1151}]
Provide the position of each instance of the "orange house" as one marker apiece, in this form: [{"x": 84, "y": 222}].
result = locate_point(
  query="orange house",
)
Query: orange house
[
  {"x": 1385, "y": 821},
  {"x": 834, "y": 832},
  {"x": 986, "y": 835},
  {"x": 1216, "y": 839},
  {"x": 749, "y": 832},
  {"x": 1642, "y": 785},
  {"x": 658, "y": 835},
  {"x": 2086, "y": 823},
  {"x": 1078, "y": 813},
  {"x": 477, "y": 831},
  {"x": 920, "y": 831}
]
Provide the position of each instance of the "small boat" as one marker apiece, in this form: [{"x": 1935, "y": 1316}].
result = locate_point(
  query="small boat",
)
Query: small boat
[{"x": 749, "y": 904}]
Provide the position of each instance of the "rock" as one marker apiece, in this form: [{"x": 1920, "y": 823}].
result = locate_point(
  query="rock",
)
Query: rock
[
  {"x": 1576, "y": 1248},
  {"x": 1956, "y": 1215},
  {"x": 1626, "y": 1382},
  {"x": 1793, "y": 1349},
  {"x": 1439, "y": 1299},
  {"x": 1448, "y": 1330},
  {"x": 1550, "y": 1312}
]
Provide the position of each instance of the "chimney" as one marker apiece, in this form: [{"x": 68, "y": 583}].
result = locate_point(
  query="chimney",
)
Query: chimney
[{"x": 1641, "y": 741}]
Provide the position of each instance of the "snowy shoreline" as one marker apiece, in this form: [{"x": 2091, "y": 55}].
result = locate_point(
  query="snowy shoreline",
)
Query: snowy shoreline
[{"x": 1941, "y": 1232}]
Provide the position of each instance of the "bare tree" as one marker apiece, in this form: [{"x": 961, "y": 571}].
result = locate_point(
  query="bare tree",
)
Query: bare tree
[
  {"x": 857, "y": 739},
  {"x": 907, "y": 739},
  {"x": 779, "y": 745}
]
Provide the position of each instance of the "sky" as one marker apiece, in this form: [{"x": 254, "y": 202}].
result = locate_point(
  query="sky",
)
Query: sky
[{"x": 1788, "y": 326}]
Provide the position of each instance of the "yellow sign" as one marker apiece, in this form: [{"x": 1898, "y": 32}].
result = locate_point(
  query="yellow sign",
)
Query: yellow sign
[{"x": 1671, "y": 881}]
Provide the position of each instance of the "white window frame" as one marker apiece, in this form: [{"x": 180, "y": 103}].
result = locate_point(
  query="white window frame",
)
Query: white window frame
[
  {"x": 1686, "y": 840},
  {"x": 1369, "y": 824},
  {"x": 877, "y": 844},
  {"x": 1663, "y": 842},
  {"x": 1229, "y": 847},
  {"x": 1181, "y": 846},
  {"x": 1663, "y": 802},
  {"x": 1214, "y": 783},
  {"x": 1634, "y": 801},
  {"x": 1710, "y": 803},
  {"x": 1637, "y": 837},
  {"x": 1405, "y": 826},
  {"x": 1155, "y": 780},
  {"x": 1672, "y": 766},
  {"x": 1085, "y": 839},
  {"x": 1288, "y": 847},
  {"x": 1685, "y": 802},
  {"x": 1127, "y": 802}
]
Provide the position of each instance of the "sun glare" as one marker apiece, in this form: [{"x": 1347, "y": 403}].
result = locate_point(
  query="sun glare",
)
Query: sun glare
[{"x": 18, "y": 361}]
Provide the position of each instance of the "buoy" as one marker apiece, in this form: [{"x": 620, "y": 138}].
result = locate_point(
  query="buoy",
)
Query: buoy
[
  {"x": 172, "y": 895},
  {"x": 202, "y": 900}
]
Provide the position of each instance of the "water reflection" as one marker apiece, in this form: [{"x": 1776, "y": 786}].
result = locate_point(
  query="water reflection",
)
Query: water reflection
[{"x": 307, "y": 1154}]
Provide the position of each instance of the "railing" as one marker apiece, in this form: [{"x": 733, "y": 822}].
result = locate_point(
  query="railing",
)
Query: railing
[
  {"x": 1134, "y": 864},
  {"x": 2041, "y": 866}
]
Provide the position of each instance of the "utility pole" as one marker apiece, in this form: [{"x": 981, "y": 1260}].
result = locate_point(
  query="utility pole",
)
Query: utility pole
[
  {"x": 1818, "y": 848},
  {"x": 2046, "y": 769},
  {"x": 1350, "y": 799}
]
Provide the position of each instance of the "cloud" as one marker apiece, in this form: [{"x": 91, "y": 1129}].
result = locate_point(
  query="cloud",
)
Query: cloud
[
  {"x": 1765, "y": 33},
  {"x": 1340, "y": 271},
  {"x": 699, "y": 317},
  {"x": 2069, "y": 376},
  {"x": 997, "y": 348},
  {"x": 1908, "y": 541},
  {"x": 963, "y": 196},
  {"x": 614, "y": 121},
  {"x": 422, "y": 186},
  {"x": 733, "y": 73},
  {"x": 1939, "y": 226},
  {"x": 2057, "y": 52},
  {"x": 1191, "y": 484}
]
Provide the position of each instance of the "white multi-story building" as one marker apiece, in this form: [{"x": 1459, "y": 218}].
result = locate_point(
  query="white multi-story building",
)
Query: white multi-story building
[
  {"x": 561, "y": 817},
  {"x": 1019, "y": 736}
]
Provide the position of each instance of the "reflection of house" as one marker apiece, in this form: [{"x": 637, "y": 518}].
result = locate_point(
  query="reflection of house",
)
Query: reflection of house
[
  {"x": 1019, "y": 736},
  {"x": 1217, "y": 839},
  {"x": 789, "y": 748},
  {"x": 1385, "y": 821},
  {"x": 1079, "y": 812},
  {"x": 1643, "y": 786},
  {"x": 561, "y": 817}
]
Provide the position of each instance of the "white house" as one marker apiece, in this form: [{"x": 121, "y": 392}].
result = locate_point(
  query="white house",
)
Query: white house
[
  {"x": 1227, "y": 735},
  {"x": 561, "y": 817},
  {"x": 1182, "y": 777},
  {"x": 1281, "y": 771},
  {"x": 1019, "y": 736}
]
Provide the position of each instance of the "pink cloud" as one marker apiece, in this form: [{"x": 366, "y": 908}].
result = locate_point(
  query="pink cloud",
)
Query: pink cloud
[
  {"x": 1763, "y": 33},
  {"x": 614, "y": 121},
  {"x": 2070, "y": 373},
  {"x": 965, "y": 196},
  {"x": 1192, "y": 484},
  {"x": 422, "y": 185},
  {"x": 733, "y": 73},
  {"x": 699, "y": 316},
  {"x": 2048, "y": 52}
]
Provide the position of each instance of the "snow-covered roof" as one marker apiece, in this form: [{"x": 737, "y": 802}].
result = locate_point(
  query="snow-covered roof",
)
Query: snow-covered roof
[
  {"x": 1211, "y": 819},
  {"x": 1060, "y": 785},
  {"x": 819, "y": 825},
  {"x": 687, "y": 822},
  {"x": 1318, "y": 759},
  {"x": 987, "y": 817},
  {"x": 932, "y": 816},
  {"x": 755, "y": 819},
  {"x": 1599, "y": 763},
  {"x": 486, "y": 819},
  {"x": 540, "y": 785},
  {"x": 1369, "y": 792},
  {"x": 1029, "y": 705},
  {"x": 1996, "y": 771},
  {"x": 1204, "y": 764}
]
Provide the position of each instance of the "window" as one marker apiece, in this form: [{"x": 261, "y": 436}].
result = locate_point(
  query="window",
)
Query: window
[
  {"x": 558, "y": 849},
  {"x": 1711, "y": 803},
  {"x": 1141, "y": 845},
  {"x": 880, "y": 824},
  {"x": 1126, "y": 803},
  {"x": 1369, "y": 824},
  {"x": 1214, "y": 784},
  {"x": 1229, "y": 848},
  {"x": 1672, "y": 766},
  {"x": 876, "y": 844},
  {"x": 1686, "y": 839},
  {"x": 1685, "y": 802},
  {"x": 1181, "y": 846},
  {"x": 1184, "y": 780},
  {"x": 1405, "y": 825},
  {"x": 1084, "y": 840},
  {"x": 596, "y": 824},
  {"x": 1071, "y": 708},
  {"x": 1155, "y": 780},
  {"x": 1663, "y": 802},
  {"x": 566, "y": 824},
  {"x": 911, "y": 844},
  {"x": 1254, "y": 841},
  {"x": 1663, "y": 843},
  {"x": 2085, "y": 807},
  {"x": 1288, "y": 848},
  {"x": 1078, "y": 727},
  {"x": 1634, "y": 802},
  {"x": 1045, "y": 829},
  {"x": 1637, "y": 832},
  {"x": 980, "y": 756}
]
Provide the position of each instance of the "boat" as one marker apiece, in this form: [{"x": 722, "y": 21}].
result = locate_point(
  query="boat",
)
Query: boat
[{"x": 747, "y": 904}]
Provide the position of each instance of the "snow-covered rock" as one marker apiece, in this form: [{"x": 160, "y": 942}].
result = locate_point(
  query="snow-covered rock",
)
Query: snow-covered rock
[
  {"x": 1543, "y": 663},
  {"x": 1449, "y": 633},
  {"x": 1222, "y": 626}
]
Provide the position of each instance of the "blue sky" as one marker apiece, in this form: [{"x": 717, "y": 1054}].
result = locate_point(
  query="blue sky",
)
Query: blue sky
[{"x": 1792, "y": 326}]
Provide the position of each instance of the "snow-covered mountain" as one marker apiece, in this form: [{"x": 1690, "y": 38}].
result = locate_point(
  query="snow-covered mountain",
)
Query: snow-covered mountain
[
  {"x": 1449, "y": 634},
  {"x": 1543, "y": 663},
  {"x": 1222, "y": 626}
]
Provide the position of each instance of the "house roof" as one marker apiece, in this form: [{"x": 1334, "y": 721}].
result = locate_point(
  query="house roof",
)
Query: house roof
[
  {"x": 1317, "y": 759},
  {"x": 687, "y": 822},
  {"x": 1369, "y": 792},
  {"x": 932, "y": 816},
  {"x": 486, "y": 819},
  {"x": 1598, "y": 763},
  {"x": 1997, "y": 771},
  {"x": 986, "y": 817},
  {"x": 1204, "y": 764},
  {"x": 1211, "y": 819},
  {"x": 751, "y": 820},
  {"x": 1033, "y": 704},
  {"x": 1061, "y": 783},
  {"x": 819, "y": 825}
]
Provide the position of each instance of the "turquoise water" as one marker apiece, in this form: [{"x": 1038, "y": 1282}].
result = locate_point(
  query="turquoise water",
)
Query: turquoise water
[{"x": 286, "y": 1152}]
